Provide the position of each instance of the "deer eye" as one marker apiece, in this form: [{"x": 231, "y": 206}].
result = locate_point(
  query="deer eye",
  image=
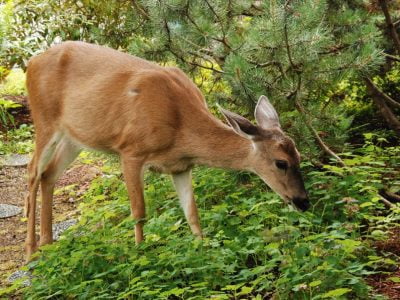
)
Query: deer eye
[{"x": 281, "y": 164}]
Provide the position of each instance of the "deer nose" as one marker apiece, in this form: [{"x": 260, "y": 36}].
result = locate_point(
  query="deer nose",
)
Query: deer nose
[{"x": 301, "y": 203}]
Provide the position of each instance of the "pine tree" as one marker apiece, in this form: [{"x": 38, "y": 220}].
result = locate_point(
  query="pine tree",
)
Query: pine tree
[{"x": 294, "y": 51}]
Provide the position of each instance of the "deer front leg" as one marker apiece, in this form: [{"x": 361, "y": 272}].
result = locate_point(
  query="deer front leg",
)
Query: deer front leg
[
  {"x": 133, "y": 173},
  {"x": 183, "y": 186}
]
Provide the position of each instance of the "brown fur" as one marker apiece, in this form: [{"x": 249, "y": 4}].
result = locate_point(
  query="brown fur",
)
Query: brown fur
[{"x": 83, "y": 95}]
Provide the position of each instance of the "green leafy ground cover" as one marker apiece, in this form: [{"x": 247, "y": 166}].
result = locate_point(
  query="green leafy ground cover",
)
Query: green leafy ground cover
[
  {"x": 17, "y": 140},
  {"x": 255, "y": 247},
  {"x": 13, "y": 84}
]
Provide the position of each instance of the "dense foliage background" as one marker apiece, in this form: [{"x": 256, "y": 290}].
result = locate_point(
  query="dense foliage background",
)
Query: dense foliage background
[{"x": 330, "y": 67}]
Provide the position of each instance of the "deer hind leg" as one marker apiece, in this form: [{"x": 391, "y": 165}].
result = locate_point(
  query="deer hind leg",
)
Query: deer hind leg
[
  {"x": 46, "y": 142},
  {"x": 133, "y": 173},
  {"x": 30, "y": 205},
  {"x": 184, "y": 189},
  {"x": 43, "y": 167},
  {"x": 31, "y": 182},
  {"x": 65, "y": 153}
]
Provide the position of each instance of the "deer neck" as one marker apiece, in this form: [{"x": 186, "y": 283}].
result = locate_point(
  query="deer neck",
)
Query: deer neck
[{"x": 217, "y": 145}]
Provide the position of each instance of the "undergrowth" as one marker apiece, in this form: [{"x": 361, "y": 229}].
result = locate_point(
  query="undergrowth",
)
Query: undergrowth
[
  {"x": 12, "y": 85},
  {"x": 255, "y": 247},
  {"x": 18, "y": 140}
]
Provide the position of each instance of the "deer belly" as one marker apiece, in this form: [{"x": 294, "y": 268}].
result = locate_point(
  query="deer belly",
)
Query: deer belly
[{"x": 170, "y": 167}]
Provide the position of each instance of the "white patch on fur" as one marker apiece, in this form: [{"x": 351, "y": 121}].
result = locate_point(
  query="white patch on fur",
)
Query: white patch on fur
[
  {"x": 60, "y": 147},
  {"x": 66, "y": 153},
  {"x": 133, "y": 92},
  {"x": 253, "y": 146},
  {"x": 183, "y": 186},
  {"x": 48, "y": 152}
]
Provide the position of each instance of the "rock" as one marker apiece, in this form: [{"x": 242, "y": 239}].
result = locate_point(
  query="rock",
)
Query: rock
[
  {"x": 15, "y": 160},
  {"x": 7, "y": 210},
  {"x": 21, "y": 274},
  {"x": 59, "y": 228}
]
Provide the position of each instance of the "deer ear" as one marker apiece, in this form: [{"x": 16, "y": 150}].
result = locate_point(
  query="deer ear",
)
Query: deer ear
[
  {"x": 265, "y": 114},
  {"x": 241, "y": 125}
]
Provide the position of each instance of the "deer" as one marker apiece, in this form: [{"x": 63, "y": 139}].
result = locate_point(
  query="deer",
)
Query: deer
[{"x": 154, "y": 117}]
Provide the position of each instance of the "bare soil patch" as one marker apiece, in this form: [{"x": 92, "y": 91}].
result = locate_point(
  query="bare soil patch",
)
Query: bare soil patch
[
  {"x": 383, "y": 285},
  {"x": 381, "y": 282}
]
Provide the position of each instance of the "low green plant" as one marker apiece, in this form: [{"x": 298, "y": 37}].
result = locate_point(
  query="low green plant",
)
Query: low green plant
[
  {"x": 14, "y": 83},
  {"x": 255, "y": 247},
  {"x": 3, "y": 73},
  {"x": 6, "y": 118},
  {"x": 17, "y": 140}
]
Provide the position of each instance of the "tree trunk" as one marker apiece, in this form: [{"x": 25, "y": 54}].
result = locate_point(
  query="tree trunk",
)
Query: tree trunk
[
  {"x": 384, "y": 109},
  {"x": 390, "y": 25}
]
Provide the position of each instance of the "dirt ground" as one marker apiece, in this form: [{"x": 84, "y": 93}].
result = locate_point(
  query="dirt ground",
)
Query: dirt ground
[
  {"x": 383, "y": 285},
  {"x": 13, "y": 190},
  {"x": 381, "y": 282}
]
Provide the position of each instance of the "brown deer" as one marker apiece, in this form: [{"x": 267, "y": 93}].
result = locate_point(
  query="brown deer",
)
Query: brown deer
[{"x": 83, "y": 95}]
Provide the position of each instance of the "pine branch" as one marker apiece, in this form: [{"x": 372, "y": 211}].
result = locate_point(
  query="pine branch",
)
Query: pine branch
[
  {"x": 223, "y": 40},
  {"x": 382, "y": 94},
  {"x": 263, "y": 65},
  {"x": 193, "y": 63},
  {"x": 140, "y": 10},
  {"x": 191, "y": 19},
  {"x": 203, "y": 66},
  {"x": 289, "y": 53},
  {"x": 267, "y": 64},
  {"x": 390, "y": 25},
  {"x": 299, "y": 105},
  {"x": 248, "y": 95},
  {"x": 254, "y": 10},
  {"x": 320, "y": 142},
  {"x": 391, "y": 57},
  {"x": 184, "y": 60},
  {"x": 216, "y": 16},
  {"x": 387, "y": 203}
]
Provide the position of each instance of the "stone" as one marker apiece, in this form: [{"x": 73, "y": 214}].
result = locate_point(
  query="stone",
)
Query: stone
[
  {"x": 21, "y": 274},
  {"x": 15, "y": 160},
  {"x": 7, "y": 210},
  {"x": 60, "y": 227}
]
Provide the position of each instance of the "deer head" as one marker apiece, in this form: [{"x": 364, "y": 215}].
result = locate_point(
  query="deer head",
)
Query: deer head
[{"x": 274, "y": 157}]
